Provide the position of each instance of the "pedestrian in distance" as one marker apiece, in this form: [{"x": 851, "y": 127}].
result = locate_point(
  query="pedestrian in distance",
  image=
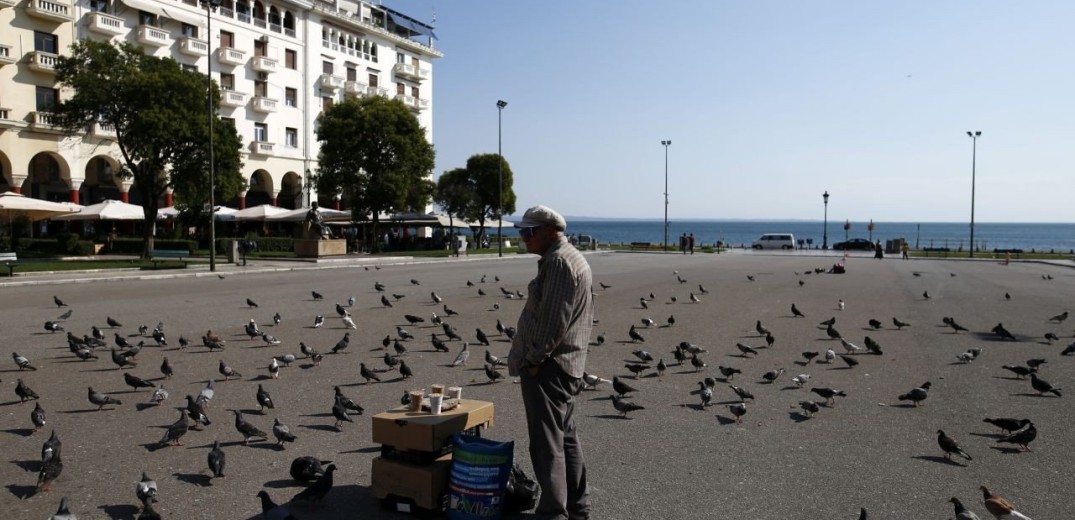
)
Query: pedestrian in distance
[
  {"x": 690, "y": 243},
  {"x": 548, "y": 354}
]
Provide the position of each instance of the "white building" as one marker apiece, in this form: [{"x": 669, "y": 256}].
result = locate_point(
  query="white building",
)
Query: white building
[{"x": 278, "y": 62}]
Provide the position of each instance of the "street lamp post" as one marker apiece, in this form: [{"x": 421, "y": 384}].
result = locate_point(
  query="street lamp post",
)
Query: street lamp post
[
  {"x": 825, "y": 233},
  {"x": 500, "y": 104},
  {"x": 666, "y": 144},
  {"x": 211, "y": 5},
  {"x": 973, "y": 160}
]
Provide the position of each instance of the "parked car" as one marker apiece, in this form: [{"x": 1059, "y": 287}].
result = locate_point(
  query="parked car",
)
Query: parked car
[
  {"x": 860, "y": 244},
  {"x": 775, "y": 241}
]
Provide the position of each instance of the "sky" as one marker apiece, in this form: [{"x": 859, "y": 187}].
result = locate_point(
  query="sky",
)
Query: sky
[{"x": 768, "y": 104}]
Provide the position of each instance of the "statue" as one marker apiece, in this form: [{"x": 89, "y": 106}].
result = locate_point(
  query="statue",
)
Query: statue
[{"x": 315, "y": 222}]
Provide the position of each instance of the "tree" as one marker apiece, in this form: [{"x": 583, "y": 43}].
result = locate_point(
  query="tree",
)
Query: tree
[
  {"x": 161, "y": 138},
  {"x": 374, "y": 152},
  {"x": 454, "y": 194},
  {"x": 484, "y": 172}
]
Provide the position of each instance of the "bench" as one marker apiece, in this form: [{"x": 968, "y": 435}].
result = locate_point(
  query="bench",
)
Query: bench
[
  {"x": 1014, "y": 252},
  {"x": 159, "y": 255},
  {"x": 10, "y": 260},
  {"x": 929, "y": 250},
  {"x": 641, "y": 245}
]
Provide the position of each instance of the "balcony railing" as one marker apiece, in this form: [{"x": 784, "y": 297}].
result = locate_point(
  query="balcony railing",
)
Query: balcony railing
[
  {"x": 42, "y": 61},
  {"x": 103, "y": 131},
  {"x": 264, "y": 64},
  {"x": 261, "y": 147},
  {"x": 231, "y": 98},
  {"x": 50, "y": 10},
  {"x": 412, "y": 102},
  {"x": 264, "y": 104},
  {"x": 355, "y": 89},
  {"x": 230, "y": 56},
  {"x": 102, "y": 23},
  {"x": 155, "y": 36},
  {"x": 42, "y": 121},
  {"x": 377, "y": 91},
  {"x": 8, "y": 3},
  {"x": 5, "y": 119},
  {"x": 5, "y": 55},
  {"x": 193, "y": 46},
  {"x": 406, "y": 70},
  {"x": 329, "y": 82}
]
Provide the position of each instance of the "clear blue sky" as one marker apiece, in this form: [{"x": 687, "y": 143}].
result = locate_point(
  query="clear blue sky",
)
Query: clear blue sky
[{"x": 767, "y": 104}]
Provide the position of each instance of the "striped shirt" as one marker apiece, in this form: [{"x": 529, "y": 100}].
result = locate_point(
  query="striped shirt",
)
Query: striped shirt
[{"x": 558, "y": 317}]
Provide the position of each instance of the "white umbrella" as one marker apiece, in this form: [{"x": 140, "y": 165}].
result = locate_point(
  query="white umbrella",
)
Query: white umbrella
[
  {"x": 224, "y": 213},
  {"x": 299, "y": 215},
  {"x": 13, "y": 204},
  {"x": 258, "y": 212},
  {"x": 167, "y": 213},
  {"x": 108, "y": 210}
]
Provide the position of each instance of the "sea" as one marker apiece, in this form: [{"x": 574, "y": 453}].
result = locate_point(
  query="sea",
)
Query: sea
[{"x": 1057, "y": 237}]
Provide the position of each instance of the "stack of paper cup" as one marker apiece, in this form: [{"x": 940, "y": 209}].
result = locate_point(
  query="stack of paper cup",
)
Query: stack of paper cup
[
  {"x": 455, "y": 392},
  {"x": 435, "y": 403},
  {"x": 416, "y": 400}
]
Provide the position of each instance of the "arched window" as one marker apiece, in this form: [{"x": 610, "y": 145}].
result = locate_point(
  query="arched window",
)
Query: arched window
[
  {"x": 274, "y": 17},
  {"x": 289, "y": 20},
  {"x": 259, "y": 11}
]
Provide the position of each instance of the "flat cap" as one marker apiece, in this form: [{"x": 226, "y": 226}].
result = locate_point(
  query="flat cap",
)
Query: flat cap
[{"x": 542, "y": 216}]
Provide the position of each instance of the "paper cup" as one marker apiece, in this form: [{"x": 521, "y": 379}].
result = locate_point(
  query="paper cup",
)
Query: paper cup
[
  {"x": 455, "y": 392},
  {"x": 435, "y": 402},
  {"x": 436, "y": 389},
  {"x": 416, "y": 400}
]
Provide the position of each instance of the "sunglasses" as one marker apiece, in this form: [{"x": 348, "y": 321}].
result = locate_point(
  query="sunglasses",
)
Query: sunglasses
[{"x": 527, "y": 233}]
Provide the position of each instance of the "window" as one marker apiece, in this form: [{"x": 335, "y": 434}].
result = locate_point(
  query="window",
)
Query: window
[
  {"x": 291, "y": 137},
  {"x": 259, "y": 48},
  {"x": 189, "y": 68},
  {"x": 145, "y": 18},
  {"x": 290, "y": 59},
  {"x": 227, "y": 39},
  {"x": 373, "y": 79},
  {"x": 46, "y": 98},
  {"x": 352, "y": 74},
  {"x": 291, "y": 97},
  {"x": 326, "y": 67},
  {"x": 261, "y": 88},
  {"x": 261, "y": 132},
  {"x": 190, "y": 31},
  {"x": 99, "y": 6},
  {"x": 45, "y": 42},
  {"x": 401, "y": 89},
  {"x": 400, "y": 58},
  {"x": 326, "y": 103},
  {"x": 414, "y": 91},
  {"x": 227, "y": 81}
]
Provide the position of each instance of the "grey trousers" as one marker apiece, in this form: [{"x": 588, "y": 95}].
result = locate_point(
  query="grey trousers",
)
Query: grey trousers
[{"x": 555, "y": 449}]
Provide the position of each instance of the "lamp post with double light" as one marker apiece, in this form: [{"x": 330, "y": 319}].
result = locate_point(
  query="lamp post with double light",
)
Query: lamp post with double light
[
  {"x": 825, "y": 233},
  {"x": 666, "y": 144},
  {"x": 973, "y": 164},
  {"x": 500, "y": 104},
  {"x": 210, "y": 6}
]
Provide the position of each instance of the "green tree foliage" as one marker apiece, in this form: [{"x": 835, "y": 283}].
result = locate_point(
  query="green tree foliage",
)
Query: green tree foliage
[
  {"x": 454, "y": 194},
  {"x": 158, "y": 111},
  {"x": 374, "y": 152},
  {"x": 484, "y": 172}
]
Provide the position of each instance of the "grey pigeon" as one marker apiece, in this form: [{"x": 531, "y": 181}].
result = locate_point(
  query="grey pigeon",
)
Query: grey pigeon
[
  {"x": 307, "y": 469},
  {"x": 51, "y": 447},
  {"x": 347, "y": 402},
  {"x": 146, "y": 489},
  {"x": 1022, "y": 438},
  {"x": 228, "y": 372},
  {"x": 809, "y": 407},
  {"x": 1042, "y": 386},
  {"x": 461, "y": 358},
  {"x": 829, "y": 394},
  {"x": 24, "y": 392},
  {"x": 317, "y": 491},
  {"x": 917, "y": 395},
  {"x": 136, "y": 382},
  {"x": 622, "y": 388},
  {"x": 344, "y": 342},
  {"x": 492, "y": 374},
  {"x": 962, "y": 513},
  {"x": 63, "y": 512},
  {"x": 625, "y": 407},
  {"x": 101, "y": 400},
  {"x": 949, "y": 446},
  {"x": 264, "y": 399},
  {"x": 22, "y": 362},
  {"x": 282, "y": 433},
  {"x": 176, "y": 430},
  {"x": 196, "y": 412},
  {"x": 738, "y": 410},
  {"x": 247, "y": 430},
  {"x": 367, "y": 374},
  {"x": 217, "y": 460},
  {"x": 37, "y": 416}
]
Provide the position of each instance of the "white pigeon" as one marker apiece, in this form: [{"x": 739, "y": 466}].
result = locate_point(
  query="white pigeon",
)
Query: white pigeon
[
  {"x": 965, "y": 357},
  {"x": 146, "y": 489},
  {"x": 349, "y": 322},
  {"x": 276, "y": 319},
  {"x": 206, "y": 394},
  {"x": 840, "y": 305},
  {"x": 274, "y": 369},
  {"x": 319, "y": 320},
  {"x": 801, "y": 379},
  {"x": 351, "y": 301},
  {"x": 647, "y": 321},
  {"x": 830, "y": 355},
  {"x": 463, "y": 356},
  {"x": 851, "y": 348},
  {"x": 642, "y": 301},
  {"x": 159, "y": 395},
  {"x": 694, "y": 299},
  {"x": 436, "y": 299},
  {"x": 591, "y": 381},
  {"x": 269, "y": 339},
  {"x": 435, "y": 319}
]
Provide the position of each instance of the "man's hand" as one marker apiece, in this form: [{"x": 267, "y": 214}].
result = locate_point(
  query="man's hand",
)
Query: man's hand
[{"x": 533, "y": 370}]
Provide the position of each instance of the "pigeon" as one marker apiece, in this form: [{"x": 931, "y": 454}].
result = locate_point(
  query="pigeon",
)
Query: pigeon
[
  {"x": 438, "y": 345},
  {"x": 636, "y": 368},
  {"x": 622, "y": 388},
  {"x": 51, "y": 447},
  {"x": 955, "y": 326},
  {"x": 839, "y": 305},
  {"x": 1000, "y": 508},
  {"x": 635, "y": 336},
  {"x": 1022, "y": 438},
  {"x": 449, "y": 312},
  {"x": 159, "y": 395},
  {"x": 112, "y": 323},
  {"x": 1006, "y": 424},
  {"x": 405, "y": 370},
  {"x": 829, "y": 322},
  {"x": 252, "y": 329},
  {"x": 378, "y": 286},
  {"x": 248, "y": 431},
  {"x": 340, "y": 414},
  {"x": 917, "y": 395},
  {"x": 769, "y": 340},
  {"x": 271, "y": 510},
  {"x": 461, "y": 358},
  {"x": 829, "y": 394},
  {"x": 648, "y": 322},
  {"x": 728, "y": 372},
  {"x": 949, "y": 446},
  {"x": 851, "y": 348},
  {"x": 746, "y": 349},
  {"x": 796, "y": 312},
  {"x": 251, "y": 303},
  {"x": 37, "y": 417},
  {"x": 136, "y": 382},
  {"x": 850, "y": 361},
  {"x": 742, "y": 393},
  {"x": 809, "y": 407},
  {"x": 800, "y": 379},
  {"x": 671, "y": 320},
  {"x": 269, "y": 339},
  {"x": 264, "y": 399},
  {"x": 176, "y": 430},
  {"x": 282, "y": 433},
  {"x": 643, "y": 355},
  {"x": 390, "y": 361},
  {"x": 697, "y": 363},
  {"x": 196, "y": 412},
  {"x": 926, "y": 296},
  {"x": 307, "y": 469},
  {"x": 772, "y": 375},
  {"x": 832, "y": 332},
  {"x": 206, "y": 394},
  {"x": 492, "y": 374},
  {"x": 1019, "y": 370},
  {"x": 319, "y": 320},
  {"x": 962, "y": 513},
  {"x": 900, "y": 324},
  {"x": 60, "y": 303},
  {"x": 346, "y": 402},
  {"x": 160, "y": 338},
  {"x": 22, "y": 362},
  {"x": 642, "y": 302},
  {"x": 317, "y": 491},
  {"x": 809, "y": 356},
  {"x": 493, "y": 360},
  {"x": 342, "y": 344},
  {"x": 591, "y": 381},
  {"x": 873, "y": 346},
  {"x": 762, "y": 331},
  {"x": 146, "y": 489},
  {"x": 274, "y": 369},
  {"x": 830, "y": 355},
  {"x": 63, "y": 512},
  {"x": 1042, "y": 386},
  {"x": 1051, "y": 337},
  {"x": 874, "y": 324},
  {"x": 217, "y": 460},
  {"x": 228, "y": 372},
  {"x": 1002, "y": 332},
  {"x": 1035, "y": 363},
  {"x": 101, "y": 400},
  {"x": 367, "y": 374},
  {"x": 1059, "y": 318},
  {"x": 693, "y": 298},
  {"x": 53, "y": 326},
  {"x": 750, "y": 277},
  {"x": 738, "y": 410},
  {"x": 624, "y": 407},
  {"x": 50, "y": 471}
]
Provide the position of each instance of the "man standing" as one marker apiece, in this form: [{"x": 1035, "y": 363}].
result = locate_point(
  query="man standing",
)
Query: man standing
[{"x": 548, "y": 355}]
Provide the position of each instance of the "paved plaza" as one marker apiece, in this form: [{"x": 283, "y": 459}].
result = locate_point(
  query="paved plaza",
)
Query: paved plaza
[{"x": 674, "y": 459}]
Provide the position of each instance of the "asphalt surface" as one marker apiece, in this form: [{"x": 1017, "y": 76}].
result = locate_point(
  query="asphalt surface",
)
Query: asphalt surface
[{"x": 671, "y": 460}]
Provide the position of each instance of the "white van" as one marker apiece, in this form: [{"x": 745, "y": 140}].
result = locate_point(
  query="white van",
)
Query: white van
[{"x": 775, "y": 241}]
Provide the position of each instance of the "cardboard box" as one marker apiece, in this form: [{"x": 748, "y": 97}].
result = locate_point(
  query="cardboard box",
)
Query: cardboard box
[
  {"x": 425, "y": 485},
  {"x": 422, "y": 431}
]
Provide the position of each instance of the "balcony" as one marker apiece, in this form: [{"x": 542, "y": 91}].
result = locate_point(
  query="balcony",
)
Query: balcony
[
  {"x": 264, "y": 64},
  {"x": 330, "y": 83},
  {"x": 50, "y": 10},
  {"x": 155, "y": 36},
  {"x": 193, "y": 46},
  {"x": 264, "y": 105},
  {"x": 43, "y": 122},
  {"x": 231, "y": 98},
  {"x": 355, "y": 89},
  {"x": 377, "y": 91},
  {"x": 103, "y": 131},
  {"x": 6, "y": 121},
  {"x": 230, "y": 56},
  {"x": 42, "y": 61},
  {"x": 105, "y": 24},
  {"x": 5, "y": 55},
  {"x": 261, "y": 147},
  {"x": 412, "y": 72},
  {"x": 8, "y": 3},
  {"x": 414, "y": 103}
]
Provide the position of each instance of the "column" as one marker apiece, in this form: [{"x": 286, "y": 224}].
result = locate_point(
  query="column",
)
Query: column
[
  {"x": 124, "y": 191},
  {"x": 168, "y": 200},
  {"x": 242, "y": 200},
  {"x": 16, "y": 182},
  {"x": 274, "y": 198},
  {"x": 75, "y": 185}
]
